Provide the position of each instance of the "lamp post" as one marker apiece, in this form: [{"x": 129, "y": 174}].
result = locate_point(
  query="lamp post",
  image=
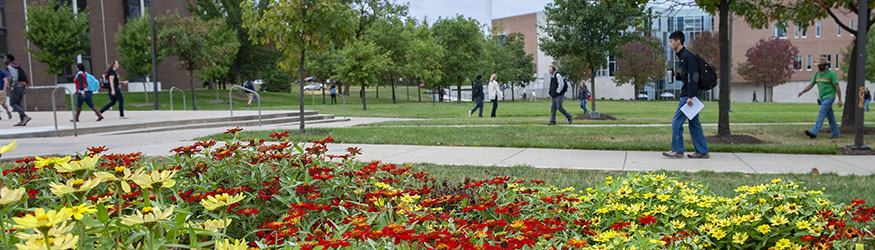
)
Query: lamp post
[{"x": 863, "y": 15}]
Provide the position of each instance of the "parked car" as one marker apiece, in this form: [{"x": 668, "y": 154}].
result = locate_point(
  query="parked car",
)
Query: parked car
[{"x": 314, "y": 86}]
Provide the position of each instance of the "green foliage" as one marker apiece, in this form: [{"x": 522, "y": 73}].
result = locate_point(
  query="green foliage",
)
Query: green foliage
[
  {"x": 134, "y": 46},
  {"x": 423, "y": 59},
  {"x": 463, "y": 45},
  {"x": 223, "y": 46},
  {"x": 275, "y": 80},
  {"x": 362, "y": 64},
  {"x": 58, "y": 35},
  {"x": 870, "y": 58},
  {"x": 522, "y": 70},
  {"x": 185, "y": 38}
]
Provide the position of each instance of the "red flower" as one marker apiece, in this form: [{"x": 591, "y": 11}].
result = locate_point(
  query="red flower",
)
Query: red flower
[
  {"x": 248, "y": 211},
  {"x": 92, "y": 151},
  {"x": 233, "y": 130},
  {"x": 333, "y": 243},
  {"x": 808, "y": 238},
  {"x": 646, "y": 220},
  {"x": 323, "y": 141},
  {"x": 279, "y": 135},
  {"x": 857, "y": 201}
]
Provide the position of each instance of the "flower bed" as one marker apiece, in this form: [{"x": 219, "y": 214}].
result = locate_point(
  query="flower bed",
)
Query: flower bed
[{"x": 245, "y": 193}]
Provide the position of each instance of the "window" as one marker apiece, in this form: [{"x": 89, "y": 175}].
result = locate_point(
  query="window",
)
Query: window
[
  {"x": 828, "y": 60},
  {"x": 612, "y": 65},
  {"x": 69, "y": 71},
  {"x": 797, "y": 64},
  {"x": 4, "y": 47},
  {"x": 838, "y": 30},
  {"x": 132, "y": 8},
  {"x": 796, "y": 35},
  {"x": 817, "y": 29},
  {"x": 779, "y": 32},
  {"x": 837, "y": 61},
  {"x": 852, "y": 26},
  {"x": 805, "y": 32},
  {"x": 808, "y": 67},
  {"x": 680, "y": 23}
]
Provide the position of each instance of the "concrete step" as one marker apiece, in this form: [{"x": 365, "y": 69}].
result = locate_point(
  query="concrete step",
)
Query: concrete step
[{"x": 309, "y": 119}]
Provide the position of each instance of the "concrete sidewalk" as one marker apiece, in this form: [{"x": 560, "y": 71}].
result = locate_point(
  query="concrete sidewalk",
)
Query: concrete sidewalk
[{"x": 160, "y": 144}]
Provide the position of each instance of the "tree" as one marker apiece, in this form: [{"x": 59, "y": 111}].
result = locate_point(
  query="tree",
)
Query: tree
[
  {"x": 759, "y": 15},
  {"x": 58, "y": 34},
  {"x": 462, "y": 42},
  {"x": 522, "y": 69},
  {"x": 362, "y": 64},
  {"x": 223, "y": 46},
  {"x": 424, "y": 58},
  {"x": 582, "y": 29},
  {"x": 707, "y": 45},
  {"x": 389, "y": 36},
  {"x": 295, "y": 27},
  {"x": 640, "y": 62},
  {"x": 186, "y": 38},
  {"x": 135, "y": 47},
  {"x": 495, "y": 59},
  {"x": 769, "y": 63}
]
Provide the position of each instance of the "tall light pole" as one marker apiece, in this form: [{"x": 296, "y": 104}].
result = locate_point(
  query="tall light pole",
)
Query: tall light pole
[
  {"x": 863, "y": 15},
  {"x": 154, "y": 59}
]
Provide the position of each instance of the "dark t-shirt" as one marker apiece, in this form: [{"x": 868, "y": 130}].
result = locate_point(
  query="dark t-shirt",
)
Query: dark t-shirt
[{"x": 114, "y": 79}]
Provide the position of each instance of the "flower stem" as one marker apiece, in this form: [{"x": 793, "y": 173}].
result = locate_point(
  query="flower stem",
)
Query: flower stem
[
  {"x": 46, "y": 236},
  {"x": 3, "y": 233},
  {"x": 81, "y": 234}
]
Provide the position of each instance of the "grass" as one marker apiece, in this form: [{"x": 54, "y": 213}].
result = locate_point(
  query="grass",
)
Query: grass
[
  {"x": 839, "y": 188},
  {"x": 509, "y": 113},
  {"x": 778, "y": 138}
]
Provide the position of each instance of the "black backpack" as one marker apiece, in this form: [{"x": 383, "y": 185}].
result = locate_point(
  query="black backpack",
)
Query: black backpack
[
  {"x": 104, "y": 82},
  {"x": 707, "y": 74}
]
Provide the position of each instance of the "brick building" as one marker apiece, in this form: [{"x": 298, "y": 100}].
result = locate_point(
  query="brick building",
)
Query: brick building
[{"x": 105, "y": 17}]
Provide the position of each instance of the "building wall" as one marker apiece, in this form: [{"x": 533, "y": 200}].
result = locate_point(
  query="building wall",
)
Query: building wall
[
  {"x": 110, "y": 19},
  {"x": 525, "y": 24}
]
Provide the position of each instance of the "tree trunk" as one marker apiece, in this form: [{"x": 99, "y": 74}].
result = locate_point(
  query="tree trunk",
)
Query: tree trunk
[
  {"x": 459, "y": 92},
  {"x": 849, "y": 113},
  {"x": 725, "y": 67},
  {"x": 392, "y": 81},
  {"x": 301, "y": 99},
  {"x": 346, "y": 89},
  {"x": 191, "y": 84},
  {"x": 512, "y": 93},
  {"x": 365, "y": 100},
  {"x": 323, "y": 94},
  {"x": 592, "y": 88},
  {"x": 378, "y": 91},
  {"x": 419, "y": 92}
]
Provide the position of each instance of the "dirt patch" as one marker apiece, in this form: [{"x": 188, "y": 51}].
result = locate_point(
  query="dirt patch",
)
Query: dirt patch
[
  {"x": 733, "y": 139},
  {"x": 308, "y": 132},
  {"x": 218, "y": 101},
  {"x": 602, "y": 117},
  {"x": 846, "y": 131},
  {"x": 846, "y": 151},
  {"x": 145, "y": 105}
]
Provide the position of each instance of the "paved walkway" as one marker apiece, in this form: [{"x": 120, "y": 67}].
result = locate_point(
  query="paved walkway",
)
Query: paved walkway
[{"x": 160, "y": 143}]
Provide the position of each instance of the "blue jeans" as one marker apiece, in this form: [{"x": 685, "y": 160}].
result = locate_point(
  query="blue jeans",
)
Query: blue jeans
[
  {"x": 826, "y": 112},
  {"x": 867, "y": 103},
  {"x": 583, "y": 106},
  {"x": 478, "y": 104},
  {"x": 677, "y": 131},
  {"x": 86, "y": 100}
]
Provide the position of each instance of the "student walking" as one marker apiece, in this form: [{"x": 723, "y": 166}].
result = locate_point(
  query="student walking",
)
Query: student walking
[
  {"x": 557, "y": 93},
  {"x": 3, "y": 87},
  {"x": 333, "y": 92},
  {"x": 867, "y": 97},
  {"x": 828, "y": 87},
  {"x": 583, "y": 94},
  {"x": 115, "y": 92},
  {"x": 84, "y": 91},
  {"x": 494, "y": 93},
  {"x": 18, "y": 82},
  {"x": 250, "y": 86},
  {"x": 687, "y": 69},
  {"x": 477, "y": 96}
]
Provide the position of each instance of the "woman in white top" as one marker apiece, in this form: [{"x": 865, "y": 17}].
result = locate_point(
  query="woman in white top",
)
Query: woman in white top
[{"x": 494, "y": 92}]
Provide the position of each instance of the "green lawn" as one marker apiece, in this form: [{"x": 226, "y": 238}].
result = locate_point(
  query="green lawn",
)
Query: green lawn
[
  {"x": 840, "y": 188},
  {"x": 777, "y": 138}
]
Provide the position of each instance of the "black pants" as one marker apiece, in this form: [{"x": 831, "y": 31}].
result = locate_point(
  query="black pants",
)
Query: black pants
[
  {"x": 15, "y": 99},
  {"x": 333, "y": 98},
  {"x": 112, "y": 100},
  {"x": 494, "y": 106},
  {"x": 84, "y": 99}
]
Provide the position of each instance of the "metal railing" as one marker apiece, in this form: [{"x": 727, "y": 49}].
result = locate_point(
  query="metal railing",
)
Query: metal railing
[
  {"x": 231, "y": 100},
  {"x": 55, "y": 108},
  {"x": 171, "y": 97}
]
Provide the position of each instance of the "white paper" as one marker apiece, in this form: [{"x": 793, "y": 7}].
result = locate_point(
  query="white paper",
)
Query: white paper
[{"x": 692, "y": 111}]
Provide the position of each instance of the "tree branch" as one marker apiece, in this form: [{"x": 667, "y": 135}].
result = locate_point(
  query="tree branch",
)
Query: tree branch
[{"x": 841, "y": 24}]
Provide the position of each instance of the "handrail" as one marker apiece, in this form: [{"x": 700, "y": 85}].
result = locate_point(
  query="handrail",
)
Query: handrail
[
  {"x": 171, "y": 97},
  {"x": 55, "y": 108},
  {"x": 231, "y": 100}
]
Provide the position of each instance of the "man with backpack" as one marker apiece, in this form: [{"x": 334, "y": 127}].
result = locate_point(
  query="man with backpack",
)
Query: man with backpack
[
  {"x": 86, "y": 84},
  {"x": 688, "y": 71},
  {"x": 557, "y": 92},
  {"x": 583, "y": 95},
  {"x": 17, "y": 80}
]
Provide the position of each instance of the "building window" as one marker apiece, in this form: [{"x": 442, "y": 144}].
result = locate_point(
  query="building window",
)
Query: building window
[
  {"x": 612, "y": 65},
  {"x": 852, "y": 26},
  {"x": 808, "y": 65},
  {"x": 838, "y": 30},
  {"x": 70, "y": 71},
  {"x": 837, "y": 61},
  {"x": 779, "y": 32},
  {"x": 797, "y": 63},
  {"x": 4, "y": 47},
  {"x": 796, "y": 35},
  {"x": 805, "y": 32},
  {"x": 132, "y": 8},
  {"x": 680, "y": 23},
  {"x": 817, "y": 29},
  {"x": 828, "y": 60}
]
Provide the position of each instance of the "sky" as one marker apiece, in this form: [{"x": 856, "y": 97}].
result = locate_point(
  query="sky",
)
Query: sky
[{"x": 477, "y": 9}]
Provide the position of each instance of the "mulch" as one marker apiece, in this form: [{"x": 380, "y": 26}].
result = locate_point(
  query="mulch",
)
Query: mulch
[
  {"x": 602, "y": 117},
  {"x": 846, "y": 131},
  {"x": 308, "y": 132},
  {"x": 846, "y": 151},
  {"x": 733, "y": 139}
]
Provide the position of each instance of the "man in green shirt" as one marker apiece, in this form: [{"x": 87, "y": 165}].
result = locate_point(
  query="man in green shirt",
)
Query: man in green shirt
[{"x": 828, "y": 88}]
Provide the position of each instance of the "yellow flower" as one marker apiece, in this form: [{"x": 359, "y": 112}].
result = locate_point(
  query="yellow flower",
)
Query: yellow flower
[
  {"x": 78, "y": 212},
  {"x": 624, "y": 191},
  {"x": 41, "y": 219},
  {"x": 72, "y": 186},
  {"x": 8, "y": 196},
  {"x": 60, "y": 242},
  {"x": 50, "y": 161},
  {"x": 776, "y": 180},
  {"x": 676, "y": 224},
  {"x": 122, "y": 175},
  {"x": 211, "y": 225},
  {"x": 148, "y": 216},
  {"x": 778, "y": 220},
  {"x": 54, "y": 231},
  {"x": 689, "y": 213},
  {"x": 9, "y": 148},
  {"x": 73, "y": 166},
  {"x": 739, "y": 238},
  {"x": 803, "y": 224},
  {"x": 155, "y": 179},
  {"x": 663, "y": 197},
  {"x": 409, "y": 199},
  {"x": 764, "y": 229},
  {"x": 718, "y": 234},
  {"x": 227, "y": 245},
  {"x": 792, "y": 208},
  {"x": 220, "y": 201},
  {"x": 783, "y": 243}
]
